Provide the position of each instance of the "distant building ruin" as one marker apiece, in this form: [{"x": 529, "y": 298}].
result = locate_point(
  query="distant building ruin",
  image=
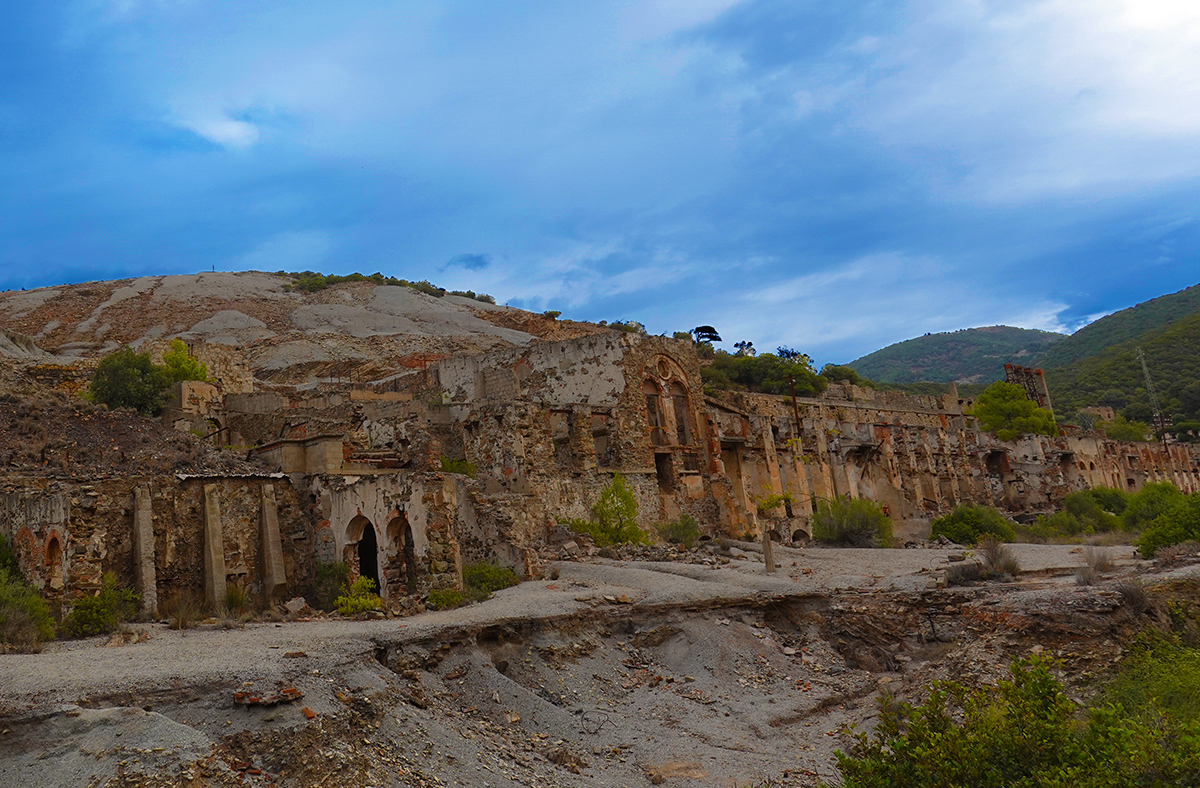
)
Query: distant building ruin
[{"x": 483, "y": 457}]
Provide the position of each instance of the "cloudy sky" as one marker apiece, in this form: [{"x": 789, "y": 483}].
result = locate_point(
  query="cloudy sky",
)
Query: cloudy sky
[{"x": 829, "y": 175}]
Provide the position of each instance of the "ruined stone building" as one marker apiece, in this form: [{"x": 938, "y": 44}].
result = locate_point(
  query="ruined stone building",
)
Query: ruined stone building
[{"x": 481, "y": 457}]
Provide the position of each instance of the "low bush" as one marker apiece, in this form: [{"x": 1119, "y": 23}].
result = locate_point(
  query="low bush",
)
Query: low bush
[
  {"x": 685, "y": 531},
  {"x": 102, "y": 613},
  {"x": 1177, "y": 524},
  {"x": 1024, "y": 732},
  {"x": 852, "y": 522},
  {"x": 25, "y": 620},
  {"x": 458, "y": 466},
  {"x": 182, "y": 609},
  {"x": 968, "y": 522},
  {"x": 235, "y": 597},
  {"x": 1161, "y": 675},
  {"x": 995, "y": 562},
  {"x": 359, "y": 599},
  {"x": 1154, "y": 499},
  {"x": 482, "y": 580},
  {"x": 614, "y": 517},
  {"x": 333, "y": 580},
  {"x": 445, "y": 599}
]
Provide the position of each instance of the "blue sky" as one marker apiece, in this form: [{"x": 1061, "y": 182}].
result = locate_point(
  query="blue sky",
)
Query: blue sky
[{"x": 833, "y": 176}]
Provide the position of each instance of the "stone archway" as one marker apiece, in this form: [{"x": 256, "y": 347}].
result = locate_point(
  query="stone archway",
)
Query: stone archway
[
  {"x": 54, "y": 563},
  {"x": 361, "y": 533},
  {"x": 400, "y": 537}
]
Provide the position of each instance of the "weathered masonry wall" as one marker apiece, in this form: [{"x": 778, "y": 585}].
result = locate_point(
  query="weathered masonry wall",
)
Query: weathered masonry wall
[
  {"x": 916, "y": 456},
  {"x": 153, "y": 532}
]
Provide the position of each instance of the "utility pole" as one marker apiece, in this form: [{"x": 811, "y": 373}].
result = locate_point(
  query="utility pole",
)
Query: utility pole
[{"x": 1159, "y": 420}]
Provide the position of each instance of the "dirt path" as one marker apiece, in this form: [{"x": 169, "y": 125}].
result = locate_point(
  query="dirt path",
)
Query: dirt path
[{"x": 614, "y": 673}]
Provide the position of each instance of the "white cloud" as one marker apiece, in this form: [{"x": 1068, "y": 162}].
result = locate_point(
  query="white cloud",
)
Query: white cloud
[{"x": 872, "y": 301}]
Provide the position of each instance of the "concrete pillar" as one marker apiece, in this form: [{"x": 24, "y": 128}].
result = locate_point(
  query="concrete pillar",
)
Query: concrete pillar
[
  {"x": 274, "y": 574},
  {"x": 214, "y": 548},
  {"x": 143, "y": 550}
]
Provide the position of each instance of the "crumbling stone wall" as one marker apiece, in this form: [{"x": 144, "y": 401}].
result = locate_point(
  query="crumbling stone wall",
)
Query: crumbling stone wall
[
  {"x": 93, "y": 523},
  {"x": 917, "y": 456}
]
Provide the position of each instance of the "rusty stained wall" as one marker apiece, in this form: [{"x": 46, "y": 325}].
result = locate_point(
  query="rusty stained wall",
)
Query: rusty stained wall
[
  {"x": 92, "y": 523},
  {"x": 916, "y": 456}
]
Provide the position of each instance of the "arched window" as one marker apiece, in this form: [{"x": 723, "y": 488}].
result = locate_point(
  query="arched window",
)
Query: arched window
[
  {"x": 654, "y": 414},
  {"x": 679, "y": 400}
]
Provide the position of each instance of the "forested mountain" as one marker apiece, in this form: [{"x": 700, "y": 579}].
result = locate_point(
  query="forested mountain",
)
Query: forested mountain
[
  {"x": 1114, "y": 375},
  {"x": 972, "y": 355},
  {"x": 1142, "y": 321}
]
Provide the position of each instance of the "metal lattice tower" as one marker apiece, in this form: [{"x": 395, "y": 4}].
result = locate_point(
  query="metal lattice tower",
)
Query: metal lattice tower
[{"x": 1155, "y": 408}]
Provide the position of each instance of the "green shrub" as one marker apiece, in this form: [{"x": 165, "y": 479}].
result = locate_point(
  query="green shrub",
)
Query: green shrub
[
  {"x": 1005, "y": 410},
  {"x": 361, "y": 598},
  {"x": 1087, "y": 509},
  {"x": 445, "y": 599},
  {"x": 125, "y": 379},
  {"x": 1180, "y": 523},
  {"x": 685, "y": 531},
  {"x": 24, "y": 616},
  {"x": 1160, "y": 675},
  {"x": 1024, "y": 732},
  {"x": 968, "y": 522},
  {"x": 614, "y": 517},
  {"x": 104, "y": 612},
  {"x": 481, "y": 580},
  {"x": 767, "y": 373},
  {"x": 458, "y": 466},
  {"x": 180, "y": 365},
  {"x": 852, "y": 522},
  {"x": 1148, "y": 503},
  {"x": 333, "y": 580}
]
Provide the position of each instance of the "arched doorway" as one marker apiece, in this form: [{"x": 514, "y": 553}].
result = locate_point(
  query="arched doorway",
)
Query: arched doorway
[
  {"x": 401, "y": 537},
  {"x": 367, "y": 547},
  {"x": 54, "y": 563}
]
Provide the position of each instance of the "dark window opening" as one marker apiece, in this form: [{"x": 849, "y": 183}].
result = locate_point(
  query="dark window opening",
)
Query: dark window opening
[
  {"x": 679, "y": 401},
  {"x": 691, "y": 462},
  {"x": 662, "y": 467},
  {"x": 601, "y": 440},
  {"x": 654, "y": 416}
]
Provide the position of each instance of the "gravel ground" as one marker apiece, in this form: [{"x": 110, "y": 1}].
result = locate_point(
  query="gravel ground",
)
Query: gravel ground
[{"x": 614, "y": 673}]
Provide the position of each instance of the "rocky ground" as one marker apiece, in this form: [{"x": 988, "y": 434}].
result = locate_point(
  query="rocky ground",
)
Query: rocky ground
[{"x": 614, "y": 673}]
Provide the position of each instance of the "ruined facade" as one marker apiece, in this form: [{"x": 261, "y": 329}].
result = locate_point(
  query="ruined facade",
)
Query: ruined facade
[{"x": 484, "y": 457}]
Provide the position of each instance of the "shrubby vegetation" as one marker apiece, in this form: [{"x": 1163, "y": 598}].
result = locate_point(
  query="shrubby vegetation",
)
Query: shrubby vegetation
[
  {"x": 840, "y": 373},
  {"x": 1180, "y": 522},
  {"x": 360, "y": 598},
  {"x": 614, "y": 517},
  {"x": 1005, "y": 410},
  {"x": 312, "y": 282},
  {"x": 102, "y": 613},
  {"x": 462, "y": 466},
  {"x": 126, "y": 379},
  {"x": 445, "y": 599},
  {"x": 766, "y": 373},
  {"x": 333, "y": 581},
  {"x": 1024, "y": 732},
  {"x": 968, "y": 522},
  {"x": 483, "y": 579},
  {"x": 25, "y": 620},
  {"x": 1121, "y": 429},
  {"x": 852, "y": 522},
  {"x": 684, "y": 532}
]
